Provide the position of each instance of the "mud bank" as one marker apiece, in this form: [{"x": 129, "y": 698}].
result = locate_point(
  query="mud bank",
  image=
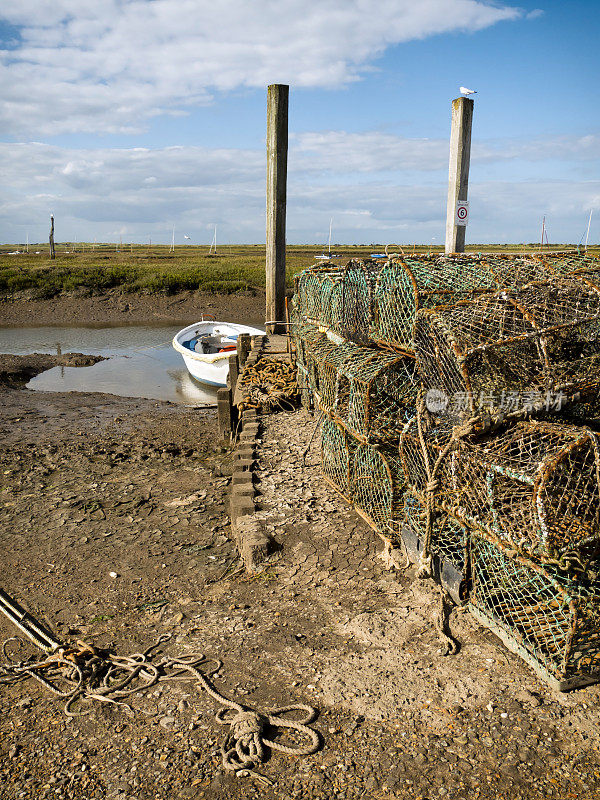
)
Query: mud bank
[
  {"x": 16, "y": 371},
  {"x": 114, "y": 529},
  {"x": 115, "y": 308}
]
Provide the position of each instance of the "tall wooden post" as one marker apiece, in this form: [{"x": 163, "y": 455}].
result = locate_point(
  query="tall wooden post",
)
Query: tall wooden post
[
  {"x": 277, "y": 147},
  {"x": 52, "y": 250},
  {"x": 458, "y": 181}
]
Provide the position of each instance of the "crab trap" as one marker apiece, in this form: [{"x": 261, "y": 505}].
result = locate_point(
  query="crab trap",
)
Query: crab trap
[
  {"x": 378, "y": 301},
  {"x": 534, "y": 485},
  {"x": 448, "y": 546},
  {"x": 369, "y": 478},
  {"x": 375, "y": 394},
  {"x": 337, "y": 456},
  {"x": 549, "y": 619},
  {"x": 377, "y": 489},
  {"x": 510, "y": 351}
]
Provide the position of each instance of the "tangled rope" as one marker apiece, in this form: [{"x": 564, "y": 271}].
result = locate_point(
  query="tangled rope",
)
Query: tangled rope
[
  {"x": 268, "y": 384},
  {"x": 84, "y": 673},
  {"x": 479, "y": 424}
]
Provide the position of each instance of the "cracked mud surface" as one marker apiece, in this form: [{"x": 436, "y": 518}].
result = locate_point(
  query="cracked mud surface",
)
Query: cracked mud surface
[{"x": 94, "y": 484}]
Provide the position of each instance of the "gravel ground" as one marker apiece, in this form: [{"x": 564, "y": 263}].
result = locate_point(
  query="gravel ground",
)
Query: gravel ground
[{"x": 94, "y": 484}]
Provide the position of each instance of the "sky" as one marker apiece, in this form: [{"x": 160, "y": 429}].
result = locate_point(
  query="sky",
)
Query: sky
[{"x": 128, "y": 118}]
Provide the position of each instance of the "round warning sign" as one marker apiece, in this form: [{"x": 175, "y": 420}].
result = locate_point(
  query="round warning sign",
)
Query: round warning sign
[{"x": 462, "y": 212}]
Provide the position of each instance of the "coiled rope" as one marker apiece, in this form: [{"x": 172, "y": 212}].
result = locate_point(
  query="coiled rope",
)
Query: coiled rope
[{"x": 84, "y": 673}]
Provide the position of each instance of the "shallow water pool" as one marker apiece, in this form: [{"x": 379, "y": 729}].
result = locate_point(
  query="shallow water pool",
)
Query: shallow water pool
[{"x": 140, "y": 362}]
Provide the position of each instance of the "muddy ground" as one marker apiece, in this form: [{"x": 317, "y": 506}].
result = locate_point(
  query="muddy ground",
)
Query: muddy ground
[
  {"x": 94, "y": 484},
  {"x": 116, "y": 308}
]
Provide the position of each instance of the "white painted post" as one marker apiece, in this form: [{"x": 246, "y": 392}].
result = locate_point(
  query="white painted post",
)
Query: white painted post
[
  {"x": 458, "y": 180},
  {"x": 277, "y": 147}
]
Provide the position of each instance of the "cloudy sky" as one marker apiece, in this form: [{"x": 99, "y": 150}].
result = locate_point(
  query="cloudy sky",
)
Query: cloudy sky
[{"x": 124, "y": 118}]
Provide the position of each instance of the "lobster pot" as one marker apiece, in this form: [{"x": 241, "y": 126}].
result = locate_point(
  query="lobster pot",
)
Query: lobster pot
[
  {"x": 377, "y": 488},
  {"x": 337, "y": 456},
  {"x": 303, "y": 334},
  {"x": 354, "y": 311},
  {"x": 564, "y": 263},
  {"x": 376, "y": 394},
  {"x": 550, "y": 620},
  {"x": 306, "y": 394},
  {"x": 404, "y": 286},
  {"x": 449, "y": 539},
  {"x": 344, "y": 301},
  {"x": 510, "y": 352},
  {"x": 334, "y": 357},
  {"x": 316, "y": 348},
  {"x": 308, "y": 286},
  {"x": 514, "y": 272},
  {"x": 534, "y": 486}
]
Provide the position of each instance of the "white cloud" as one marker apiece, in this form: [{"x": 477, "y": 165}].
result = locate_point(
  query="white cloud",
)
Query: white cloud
[
  {"x": 82, "y": 66},
  {"x": 141, "y": 192},
  {"x": 373, "y": 151}
]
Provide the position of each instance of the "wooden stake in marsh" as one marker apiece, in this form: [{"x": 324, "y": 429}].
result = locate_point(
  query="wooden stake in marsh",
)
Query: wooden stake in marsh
[
  {"x": 458, "y": 181},
  {"x": 52, "y": 250},
  {"x": 277, "y": 147}
]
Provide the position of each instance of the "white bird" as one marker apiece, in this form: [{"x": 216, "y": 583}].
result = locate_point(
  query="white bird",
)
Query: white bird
[
  {"x": 466, "y": 92},
  {"x": 186, "y": 237}
]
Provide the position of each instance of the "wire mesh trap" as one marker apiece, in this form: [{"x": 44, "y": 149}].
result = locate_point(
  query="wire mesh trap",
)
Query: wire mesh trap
[
  {"x": 371, "y": 392},
  {"x": 337, "y": 456},
  {"x": 534, "y": 485},
  {"x": 369, "y": 478},
  {"x": 549, "y": 619},
  {"x": 376, "y": 393},
  {"x": 377, "y": 489},
  {"x": 504, "y": 352},
  {"x": 405, "y": 285},
  {"x": 378, "y": 301},
  {"x": 449, "y": 540}
]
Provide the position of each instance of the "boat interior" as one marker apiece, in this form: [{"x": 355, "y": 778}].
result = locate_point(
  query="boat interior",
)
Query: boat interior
[{"x": 209, "y": 344}]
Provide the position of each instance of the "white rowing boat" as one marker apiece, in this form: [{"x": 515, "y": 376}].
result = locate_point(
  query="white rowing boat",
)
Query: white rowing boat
[{"x": 206, "y": 346}]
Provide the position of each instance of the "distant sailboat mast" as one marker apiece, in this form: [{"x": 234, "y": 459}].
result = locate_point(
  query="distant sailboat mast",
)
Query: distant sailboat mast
[
  {"x": 587, "y": 235},
  {"x": 213, "y": 246}
]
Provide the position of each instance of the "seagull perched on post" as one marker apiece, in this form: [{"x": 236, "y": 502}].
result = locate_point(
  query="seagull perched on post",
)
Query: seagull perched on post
[{"x": 467, "y": 92}]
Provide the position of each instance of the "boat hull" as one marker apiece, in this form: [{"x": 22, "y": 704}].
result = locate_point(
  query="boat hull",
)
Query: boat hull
[{"x": 211, "y": 369}]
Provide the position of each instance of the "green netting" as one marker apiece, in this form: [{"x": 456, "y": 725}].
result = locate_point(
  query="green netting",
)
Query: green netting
[
  {"x": 510, "y": 350},
  {"x": 554, "y": 619},
  {"x": 337, "y": 456},
  {"x": 534, "y": 485},
  {"x": 376, "y": 394},
  {"x": 449, "y": 539},
  {"x": 377, "y": 488}
]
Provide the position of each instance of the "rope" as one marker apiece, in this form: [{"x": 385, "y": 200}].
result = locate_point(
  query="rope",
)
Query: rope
[
  {"x": 89, "y": 673},
  {"x": 450, "y": 646},
  {"x": 480, "y": 424},
  {"x": 268, "y": 384}
]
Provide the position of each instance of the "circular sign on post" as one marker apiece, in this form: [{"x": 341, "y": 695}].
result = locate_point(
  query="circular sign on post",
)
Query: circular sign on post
[{"x": 462, "y": 212}]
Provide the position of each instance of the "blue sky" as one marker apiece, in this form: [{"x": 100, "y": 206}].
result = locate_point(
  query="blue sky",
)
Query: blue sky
[{"x": 126, "y": 117}]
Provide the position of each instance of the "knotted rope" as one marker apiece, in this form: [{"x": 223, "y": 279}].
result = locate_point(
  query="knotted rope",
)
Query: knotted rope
[
  {"x": 480, "y": 424},
  {"x": 88, "y": 673}
]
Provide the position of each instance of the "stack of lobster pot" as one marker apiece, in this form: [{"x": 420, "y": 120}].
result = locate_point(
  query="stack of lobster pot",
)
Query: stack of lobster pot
[
  {"x": 365, "y": 392},
  {"x": 503, "y": 478},
  {"x": 353, "y": 330}
]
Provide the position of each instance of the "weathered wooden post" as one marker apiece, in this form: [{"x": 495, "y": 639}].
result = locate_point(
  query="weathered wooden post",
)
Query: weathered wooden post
[
  {"x": 458, "y": 181},
  {"x": 277, "y": 146},
  {"x": 52, "y": 250},
  {"x": 244, "y": 345}
]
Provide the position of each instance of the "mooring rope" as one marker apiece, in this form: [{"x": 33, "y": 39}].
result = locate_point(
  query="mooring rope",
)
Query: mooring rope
[{"x": 89, "y": 673}]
